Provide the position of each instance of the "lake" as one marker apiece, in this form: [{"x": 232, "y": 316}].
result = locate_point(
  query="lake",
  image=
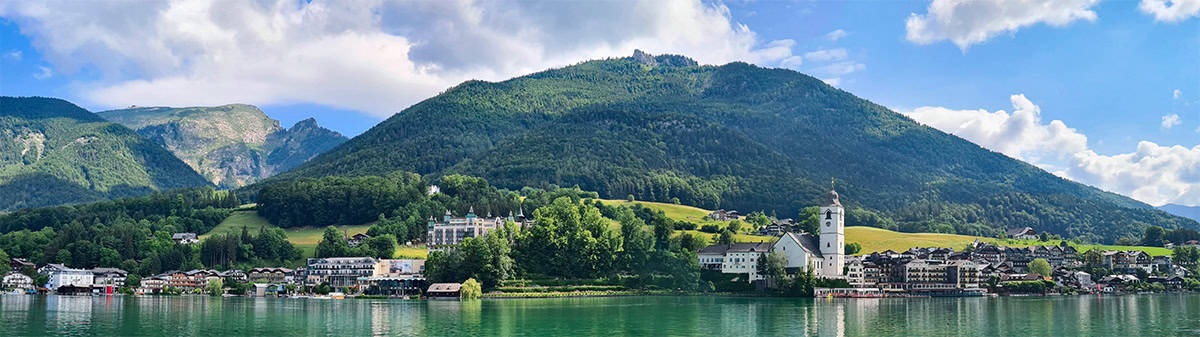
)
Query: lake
[{"x": 1135, "y": 315}]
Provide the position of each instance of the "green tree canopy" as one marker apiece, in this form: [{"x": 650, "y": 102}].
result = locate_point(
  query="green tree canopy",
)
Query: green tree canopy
[{"x": 1041, "y": 267}]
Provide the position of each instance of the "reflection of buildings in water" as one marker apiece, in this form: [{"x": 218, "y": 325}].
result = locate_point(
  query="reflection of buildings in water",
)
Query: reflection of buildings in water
[
  {"x": 16, "y": 307},
  {"x": 380, "y": 317},
  {"x": 833, "y": 317},
  {"x": 68, "y": 313}
]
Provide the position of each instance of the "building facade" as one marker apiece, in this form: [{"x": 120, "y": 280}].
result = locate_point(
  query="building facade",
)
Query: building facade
[
  {"x": 453, "y": 230},
  {"x": 339, "y": 271},
  {"x": 833, "y": 236}
]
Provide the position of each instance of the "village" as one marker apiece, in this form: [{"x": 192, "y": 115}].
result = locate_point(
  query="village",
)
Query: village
[{"x": 980, "y": 269}]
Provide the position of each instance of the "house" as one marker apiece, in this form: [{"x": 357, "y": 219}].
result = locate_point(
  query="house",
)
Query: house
[
  {"x": 1026, "y": 233},
  {"x": 737, "y": 258},
  {"x": 339, "y": 271},
  {"x": 270, "y": 275},
  {"x": 1175, "y": 282},
  {"x": 19, "y": 264},
  {"x": 185, "y": 238},
  {"x": 112, "y": 277},
  {"x": 237, "y": 275},
  {"x": 723, "y": 215},
  {"x": 153, "y": 285},
  {"x": 357, "y": 239},
  {"x": 69, "y": 280},
  {"x": 453, "y": 230},
  {"x": 15, "y": 280},
  {"x": 444, "y": 290},
  {"x": 921, "y": 275},
  {"x": 395, "y": 277}
]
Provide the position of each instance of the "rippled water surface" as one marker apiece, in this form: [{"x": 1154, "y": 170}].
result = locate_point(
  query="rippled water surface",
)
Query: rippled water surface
[{"x": 1142, "y": 315}]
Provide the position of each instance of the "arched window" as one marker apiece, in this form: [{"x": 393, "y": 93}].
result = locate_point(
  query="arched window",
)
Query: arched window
[
  {"x": 826, "y": 245},
  {"x": 828, "y": 214}
]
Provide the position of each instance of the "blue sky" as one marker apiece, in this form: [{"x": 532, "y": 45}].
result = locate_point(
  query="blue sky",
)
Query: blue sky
[{"x": 1102, "y": 92}]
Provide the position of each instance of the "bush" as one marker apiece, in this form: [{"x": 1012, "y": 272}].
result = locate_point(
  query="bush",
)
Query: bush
[{"x": 714, "y": 229}]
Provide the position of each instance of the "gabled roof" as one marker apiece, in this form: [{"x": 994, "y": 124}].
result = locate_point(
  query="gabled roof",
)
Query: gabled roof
[
  {"x": 444, "y": 287},
  {"x": 806, "y": 241},
  {"x": 1018, "y": 231},
  {"x": 737, "y": 248}
]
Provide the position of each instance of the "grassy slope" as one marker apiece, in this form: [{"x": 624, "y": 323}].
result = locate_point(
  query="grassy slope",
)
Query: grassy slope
[
  {"x": 876, "y": 239},
  {"x": 305, "y": 238}
]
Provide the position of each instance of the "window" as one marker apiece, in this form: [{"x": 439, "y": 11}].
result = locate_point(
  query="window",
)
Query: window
[
  {"x": 828, "y": 214},
  {"x": 827, "y": 245}
]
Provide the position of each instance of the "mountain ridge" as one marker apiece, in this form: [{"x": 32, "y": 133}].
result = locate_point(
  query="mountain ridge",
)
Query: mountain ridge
[
  {"x": 231, "y": 145},
  {"x": 729, "y": 136},
  {"x": 63, "y": 154}
]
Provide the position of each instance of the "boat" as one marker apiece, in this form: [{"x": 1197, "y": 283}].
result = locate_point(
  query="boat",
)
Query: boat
[{"x": 337, "y": 295}]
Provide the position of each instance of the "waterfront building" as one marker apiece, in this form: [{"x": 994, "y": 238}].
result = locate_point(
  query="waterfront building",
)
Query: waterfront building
[
  {"x": 112, "y": 277},
  {"x": 270, "y": 275},
  {"x": 154, "y": 284},
  {"x": 801, "y": 251},
  {"x": 15, "y": 280},
  {"x": 73, "y": 279},
  {"x": 395, "y": 277},
  {"x": 737, "y": 258},
  {"x": 444, "y": 290},
  {"x": 339, "y": 271}
]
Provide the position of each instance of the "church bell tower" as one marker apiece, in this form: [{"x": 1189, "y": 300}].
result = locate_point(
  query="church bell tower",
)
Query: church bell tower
[{"x": 833, "y": 234}]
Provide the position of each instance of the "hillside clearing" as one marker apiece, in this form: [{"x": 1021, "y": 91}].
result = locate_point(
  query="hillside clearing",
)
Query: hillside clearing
[{"x": 305, "y": 238}]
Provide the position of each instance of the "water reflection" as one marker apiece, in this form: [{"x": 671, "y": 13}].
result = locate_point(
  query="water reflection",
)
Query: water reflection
[{"x": 1156, "y": 315}]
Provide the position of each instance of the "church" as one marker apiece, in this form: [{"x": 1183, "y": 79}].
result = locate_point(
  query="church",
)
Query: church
[{"x": 825, "y": 257}]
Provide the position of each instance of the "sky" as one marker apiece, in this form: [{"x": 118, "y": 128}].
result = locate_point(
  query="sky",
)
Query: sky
[{"x": 1106, "y": 93}]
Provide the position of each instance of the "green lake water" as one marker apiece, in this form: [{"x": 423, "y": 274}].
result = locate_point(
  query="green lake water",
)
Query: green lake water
[{"x": 1141, "y": 315}]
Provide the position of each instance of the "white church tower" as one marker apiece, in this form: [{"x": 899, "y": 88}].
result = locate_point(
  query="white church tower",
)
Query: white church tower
[{"x": 833, "y": 235}]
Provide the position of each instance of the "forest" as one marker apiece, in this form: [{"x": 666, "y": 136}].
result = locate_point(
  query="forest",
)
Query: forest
[{"x": 734, "y": 136}]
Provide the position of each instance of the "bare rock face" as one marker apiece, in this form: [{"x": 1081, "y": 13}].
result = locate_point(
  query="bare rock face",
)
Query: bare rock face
[{"x": 231, "y": 145}]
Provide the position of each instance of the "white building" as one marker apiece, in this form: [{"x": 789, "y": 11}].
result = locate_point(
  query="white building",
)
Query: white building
[
  {"x": 109, "y": 277},
  {"x": 15, "y": 280},
  {"x": 453, "y": 230},
  {"x": 738, "y": 258},
  {"x": 67, "y": 277},
  {"x": 801, "y": 252}
]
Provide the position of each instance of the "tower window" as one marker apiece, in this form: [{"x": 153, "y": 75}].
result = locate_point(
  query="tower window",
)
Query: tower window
[{"x": 828, "y": 214}]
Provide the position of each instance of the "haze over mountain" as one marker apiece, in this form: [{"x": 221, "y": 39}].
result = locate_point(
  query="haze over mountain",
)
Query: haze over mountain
[
  {"x": 1190, "y": 212},
  {"x": 54, "y": 152},
  {"x": 230, "y": 145},
  {"x": 732, "y": 136}
]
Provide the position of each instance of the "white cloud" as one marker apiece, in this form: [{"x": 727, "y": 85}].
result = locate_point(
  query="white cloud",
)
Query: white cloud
[
  {"x": 1153, "y": 174},
  {"x": 836, "y": 35},
  {"x": 841, "y": 68},
  {"x": 1169, "y": 121},
  {"x": 376, "y": 56},
  {"x": 13, "y": 55},
  {"x": 1170, "y": 10},
  {"x": 1175, "y": 94},
  {"x": 967, "y": 22},
  {"x": 43, "y": 73},
  {"x": 832, "y": 81},
  {"x": 823, "y": 55}
]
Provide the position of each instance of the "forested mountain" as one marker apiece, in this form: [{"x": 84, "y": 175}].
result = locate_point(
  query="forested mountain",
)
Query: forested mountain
[
  {"x": 1191, "y": 212},
  {"x": 734, "y": 136},
  {"x": 230, "y": 145},
  {"x": 54, "y": 152}
]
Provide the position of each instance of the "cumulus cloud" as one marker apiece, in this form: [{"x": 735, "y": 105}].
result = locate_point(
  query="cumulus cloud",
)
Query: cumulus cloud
[
  {"x": 967, "y": 22},
  {"x": 1170, "y": 10},
  {"x": 376, "y": 56},
  {"x": 1175, "y": 94},
  {"x": 1169, "y": 121},
  {"x": 1153, "y": 173},
  {"x": 836, "y": 35}
]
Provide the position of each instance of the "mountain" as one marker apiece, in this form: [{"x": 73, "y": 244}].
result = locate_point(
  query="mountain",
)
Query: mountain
[
  {"x": 734, "y": 136},
  {"x": 1190, "y": 212},
  {"x": 54, "y": 152},
  {"x": 230, "y": 145}
]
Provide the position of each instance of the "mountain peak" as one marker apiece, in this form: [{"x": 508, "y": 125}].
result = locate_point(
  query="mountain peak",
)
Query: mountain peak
[{"x": 667, "y": 60}]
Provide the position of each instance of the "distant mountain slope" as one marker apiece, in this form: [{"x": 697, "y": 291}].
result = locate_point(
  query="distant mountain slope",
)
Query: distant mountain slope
[
  {"x": 54, "y": 152},
  {"x": 230, "y": 145},
  {"x": 1190, "y": 212},
  {"x": 734, "y": 136}
]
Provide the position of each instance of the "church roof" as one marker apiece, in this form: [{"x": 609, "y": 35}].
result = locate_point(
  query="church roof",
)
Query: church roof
[
  {"x": 806, "y": 241},
  {"x": 832, "y": 198}
]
